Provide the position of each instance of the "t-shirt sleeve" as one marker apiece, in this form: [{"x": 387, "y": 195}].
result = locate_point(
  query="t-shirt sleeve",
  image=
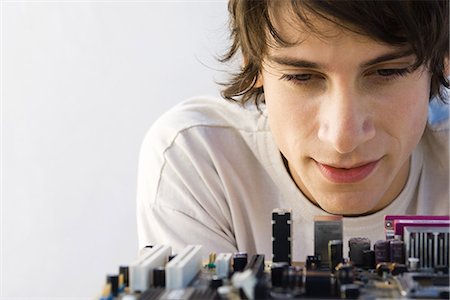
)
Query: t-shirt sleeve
[{"x": 180, "y": 199}]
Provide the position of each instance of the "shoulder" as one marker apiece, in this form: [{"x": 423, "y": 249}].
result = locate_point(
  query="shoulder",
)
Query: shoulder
[
  {"x": 436, "y": 132},
  {"x": 436, "y": 136},
  {"x": 201, "y": 112},
  {"x": 438, "y": 116}
]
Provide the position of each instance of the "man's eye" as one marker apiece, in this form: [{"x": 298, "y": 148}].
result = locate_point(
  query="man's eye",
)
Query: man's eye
[
  {"x": 297, "y": 78},
  {"x": 393, "y": 72}
]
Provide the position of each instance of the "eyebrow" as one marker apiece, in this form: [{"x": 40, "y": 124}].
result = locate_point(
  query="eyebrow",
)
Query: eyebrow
[
  {"x": 387, "y": 57},
  {"x": 302, "y": 63}
]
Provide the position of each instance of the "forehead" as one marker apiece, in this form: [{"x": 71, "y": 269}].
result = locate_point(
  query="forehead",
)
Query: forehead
[
  {"x": 319, "y": 36},
  {"x": 294, "y": 25}
]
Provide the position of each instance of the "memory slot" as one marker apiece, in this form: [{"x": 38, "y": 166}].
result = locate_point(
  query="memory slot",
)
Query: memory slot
[
  {"x": 141, "y": 270},
  {"x": 181, "y": 270}
]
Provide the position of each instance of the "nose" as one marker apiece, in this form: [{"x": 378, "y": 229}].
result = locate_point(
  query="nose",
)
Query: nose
[{"x": 345, "y": 120}]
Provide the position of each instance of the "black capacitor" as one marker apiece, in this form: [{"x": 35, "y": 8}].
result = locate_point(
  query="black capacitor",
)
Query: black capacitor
[
  {"x": 368, "y": 259},
  {"x": 345, "y": 273},
  {"x": 313, "y": 262},
  {"x": 239, "y": 261},
  {"x": 356, "y": 246},
  {"x": 123, "y": 270},
  {"x": 279, "y": 273},
  {"x": 397, "y": 251},
  {"x": 382, "y": 253},
  {"x": 114, "y": 281},
  {"x": 159, "y": 277},
  {"x": 335, "y": 253}
]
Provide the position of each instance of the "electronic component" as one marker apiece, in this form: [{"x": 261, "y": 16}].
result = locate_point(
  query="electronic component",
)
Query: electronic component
[
  {"x": 326, "y": 228},
  {"x": 382, "y": 253},
  {"x": 424, "y": 285},
  {"x": 223, "y": 265},
  {"x": 251, "y": 277},
  {"x": 281, "y": 235},
  {"x": 345, "y": 273},
  {"x": 279, "y": 274},
  {"x": 320, "y": 284},
  {"x": 415, "y": 265},
  {"x": 141, "y": 270},
  {"x": 123, "y": 270},
  {"x": 159, "y": 277},
  {"x": 184, "y": 267},
  {"x": 429, "y": 244},
  {"x": 349, "y": 291},
  {"x": 313, "y": 262},
  {"x": 368, "y": 259},
  {"x": 239, "y": 261},
  {"x": 399, "y": 225},
  {"x": 397, "y": 251},
  {"x": 356, "y": 247},
  {"x": 389, "y": 221},
  {"x": 335, "y": 253},
  {"x": 114, "y": 281}
]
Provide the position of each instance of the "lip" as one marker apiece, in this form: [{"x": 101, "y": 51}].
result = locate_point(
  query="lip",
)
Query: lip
[{"x": 347, "y": 175}]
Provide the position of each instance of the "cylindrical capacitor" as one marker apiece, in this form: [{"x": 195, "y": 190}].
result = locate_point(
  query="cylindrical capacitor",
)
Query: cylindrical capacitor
[
  {"x": 278, "y": 274},
  {"x": 356, "y": 246},
  {"x": 159, "y": 277},
  {"x": 345, "y": 273},
  {"x": 239, "y": 261},
  {"x": 335, "y": 253},
  {"x": 114, "y": 281},
  {"x": 397, "y": 251},
  {"x": 368, "y": 259},
  {"x": 124, "y": 271},
  {"x": 382, "y": 253}
]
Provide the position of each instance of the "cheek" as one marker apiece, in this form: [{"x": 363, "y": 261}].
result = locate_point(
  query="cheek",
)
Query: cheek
[
  {"x": 411, "y": 104},
  {"x": 405, "y": 118},
  {"x": 290, "y": 120}
]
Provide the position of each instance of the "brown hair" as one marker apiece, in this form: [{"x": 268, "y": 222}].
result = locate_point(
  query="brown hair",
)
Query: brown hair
[{"x": 422, "y": 25}]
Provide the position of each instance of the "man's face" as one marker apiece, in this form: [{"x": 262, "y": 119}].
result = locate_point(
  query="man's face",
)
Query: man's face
[{"x": 346, "y": 114}]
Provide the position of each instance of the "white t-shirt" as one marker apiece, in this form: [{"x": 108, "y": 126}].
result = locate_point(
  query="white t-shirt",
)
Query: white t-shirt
[{"x": 211, "y": 174}]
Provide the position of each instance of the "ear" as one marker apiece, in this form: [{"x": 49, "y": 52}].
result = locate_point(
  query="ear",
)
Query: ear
[{"x": 259, "y": 81}]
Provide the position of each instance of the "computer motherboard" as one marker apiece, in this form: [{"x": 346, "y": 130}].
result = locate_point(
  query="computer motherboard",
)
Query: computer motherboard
[{"x": 411, "y": 263}]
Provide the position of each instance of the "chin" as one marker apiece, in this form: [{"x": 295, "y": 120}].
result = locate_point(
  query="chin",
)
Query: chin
[{"x": 347, "y": 210}]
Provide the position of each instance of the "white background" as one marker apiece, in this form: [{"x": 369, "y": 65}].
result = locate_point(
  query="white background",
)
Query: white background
[{"x": 81, "y": 82}]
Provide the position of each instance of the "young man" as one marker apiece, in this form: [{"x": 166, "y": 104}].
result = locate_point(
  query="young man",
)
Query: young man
[{"x": 338, "y": 118}]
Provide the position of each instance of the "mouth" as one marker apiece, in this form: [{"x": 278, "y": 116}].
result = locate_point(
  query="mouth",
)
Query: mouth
[{"x": 352, "y": 174}]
